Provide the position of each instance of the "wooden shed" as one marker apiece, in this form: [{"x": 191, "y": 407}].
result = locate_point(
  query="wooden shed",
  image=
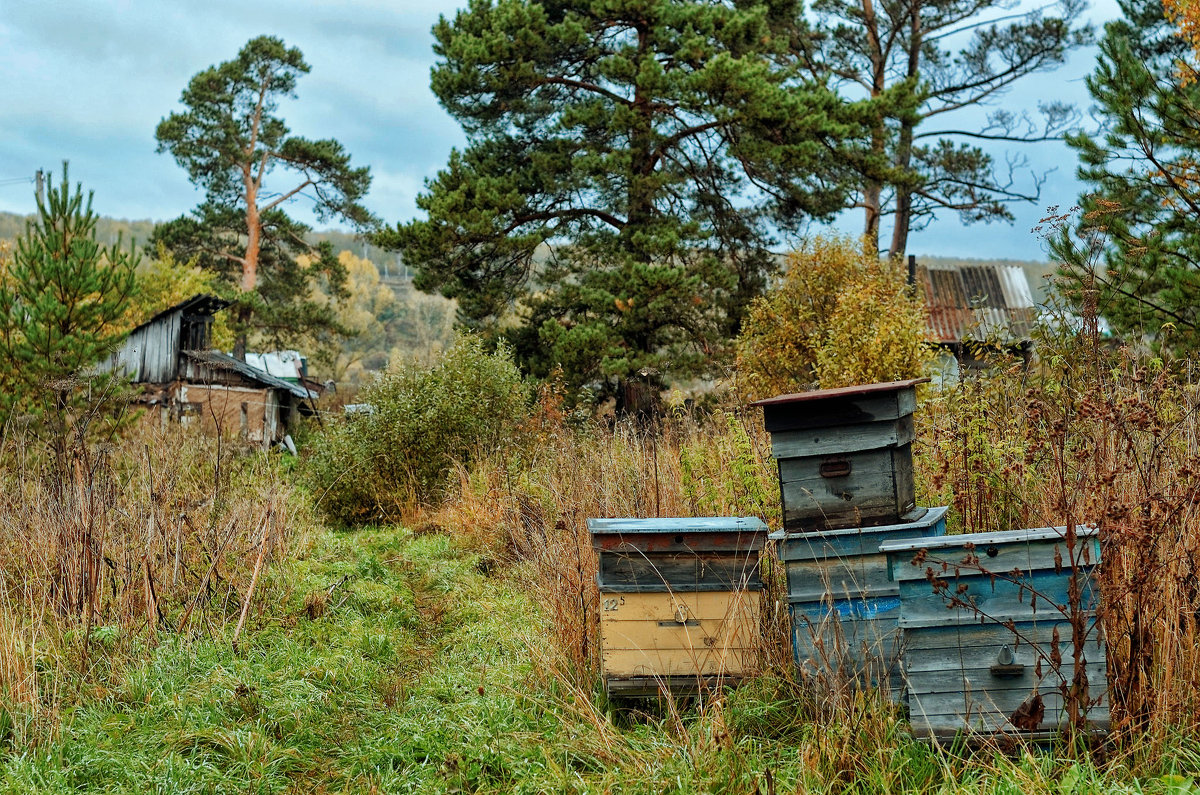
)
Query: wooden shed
[
  {"x": 844, "y": 607},
  {"x": 844, "y": 455},
  {"x": 184, "y": 380},
  {"x": 679, "y": 601},
  {"x": 988, "y": 632}
]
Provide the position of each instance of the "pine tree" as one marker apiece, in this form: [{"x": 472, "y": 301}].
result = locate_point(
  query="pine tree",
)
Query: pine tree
[
  {"x": 923, "y": 60},
  {"x": 62, "y": 301},
  {"x": 235, "y": 147},
  {"x": 1135, "y": 244},
  {"x": 626, "y": 167}
]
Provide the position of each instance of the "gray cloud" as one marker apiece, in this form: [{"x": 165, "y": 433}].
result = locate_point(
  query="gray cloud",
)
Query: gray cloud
[{"x": 88, "y": 80}]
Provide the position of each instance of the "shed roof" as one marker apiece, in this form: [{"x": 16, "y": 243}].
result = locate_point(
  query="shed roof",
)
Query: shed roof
[
  {"x": 977, "y": 301},
  {"x": 200, "y": 304},
  {"x": 221, "y": 361}
]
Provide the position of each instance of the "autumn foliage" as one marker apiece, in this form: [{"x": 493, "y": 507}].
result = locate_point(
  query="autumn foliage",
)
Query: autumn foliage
[{"x": 840, "y": 316}]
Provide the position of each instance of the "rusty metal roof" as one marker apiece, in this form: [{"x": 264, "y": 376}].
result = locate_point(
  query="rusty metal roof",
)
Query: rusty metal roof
[
  {"x": 977, "y": 302},
  {"x": 221, "y": 361},
  {"x": 841, "y": 392}
]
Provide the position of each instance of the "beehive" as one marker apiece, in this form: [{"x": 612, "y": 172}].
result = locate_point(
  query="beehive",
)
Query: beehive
[
  {"x": 981, "y": 616},
  {"x": 845, "y": 455},
  {"x": 844, "y": 608},
  {"x": 679, "y": 601}
]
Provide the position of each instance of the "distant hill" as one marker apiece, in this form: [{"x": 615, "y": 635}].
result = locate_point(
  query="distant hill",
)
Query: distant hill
[{"x": 390, "y": 267}]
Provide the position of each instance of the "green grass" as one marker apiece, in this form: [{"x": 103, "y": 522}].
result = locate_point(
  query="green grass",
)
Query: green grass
[{"x": 424, "y": 675}]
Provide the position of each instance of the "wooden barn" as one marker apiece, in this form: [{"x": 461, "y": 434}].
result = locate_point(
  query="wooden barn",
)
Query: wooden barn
[{"x": 186, "y": 381}]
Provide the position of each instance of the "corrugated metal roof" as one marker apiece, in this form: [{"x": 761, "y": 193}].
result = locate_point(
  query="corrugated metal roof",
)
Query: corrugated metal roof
[
  {"x": 220, "y": 361},
  {"x": 977, "y": 302}
]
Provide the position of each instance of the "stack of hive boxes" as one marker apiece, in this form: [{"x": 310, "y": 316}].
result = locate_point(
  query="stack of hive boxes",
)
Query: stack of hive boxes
[
  {"x": 878, "y": 597},
  {"x": 846, "y": 481}
]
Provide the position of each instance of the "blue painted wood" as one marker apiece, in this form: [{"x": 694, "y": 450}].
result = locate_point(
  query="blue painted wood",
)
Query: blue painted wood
[
  {"x": 981, "y": 617},
  {"x": 687, "y": 524},
  {"x": 844, "y": 609}
]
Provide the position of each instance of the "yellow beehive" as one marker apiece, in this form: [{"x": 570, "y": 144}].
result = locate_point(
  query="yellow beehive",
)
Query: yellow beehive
[{"x": 679, "y": 602}]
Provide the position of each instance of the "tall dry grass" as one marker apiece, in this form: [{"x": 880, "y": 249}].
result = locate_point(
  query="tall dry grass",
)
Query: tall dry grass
[
  {"x": 532, "y": 503},
  {"x": 1087, "y": 434},
  {"x": 1094, "y": 435},
  {"x": 114, "y": 544}
]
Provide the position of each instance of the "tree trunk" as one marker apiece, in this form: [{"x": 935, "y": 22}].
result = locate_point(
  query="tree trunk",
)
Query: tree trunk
[
  {"x": 904, "y": 146},
  {"x": 873, "y": 189}
]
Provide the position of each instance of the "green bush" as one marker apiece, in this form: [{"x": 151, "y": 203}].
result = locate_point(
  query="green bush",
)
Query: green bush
[{"x": 375, "y": 466}]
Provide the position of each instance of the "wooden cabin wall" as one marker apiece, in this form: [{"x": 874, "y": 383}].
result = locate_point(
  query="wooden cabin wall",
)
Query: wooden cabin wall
[
  {"x": 252, "y": 414},
  {"x": 150, "y": 354}
]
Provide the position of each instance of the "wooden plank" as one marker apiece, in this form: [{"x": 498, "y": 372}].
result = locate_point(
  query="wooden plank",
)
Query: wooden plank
[
  {"x": 841, "y": 578},
  {"x": 677, "y": 662},
  {"x": 947, "y": 641},
  {"x": 842, "y": 439},
  {"x": 1001, "y": 537},
  {"x": 705, "y": 570},
  {"x": 868, "y": 494},
  {"x": 745, "y": 543},
  {"x": 1041, "y": 596},
  {"x": 934, "y": 670},
  {"x": 676, "y": 524},
  {"x": 626, "y": 687},
  {"x": 819, "y": 412},
  {"x": 946, "y": 714},
  {"x": 668, "y": 634},
  {"x": 1044, "y": 556},
  {"x": 858, "y": 541},
  {"x": 664, "y": 606}
]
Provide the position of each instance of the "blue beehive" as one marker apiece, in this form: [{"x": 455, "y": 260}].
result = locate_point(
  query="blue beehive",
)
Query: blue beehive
[
  {"x": 843, "y": 606},
  {"x": 988, "y": 644}
]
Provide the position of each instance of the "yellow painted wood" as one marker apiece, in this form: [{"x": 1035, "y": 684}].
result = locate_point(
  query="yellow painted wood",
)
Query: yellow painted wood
[{"x": 722, "y": 638}]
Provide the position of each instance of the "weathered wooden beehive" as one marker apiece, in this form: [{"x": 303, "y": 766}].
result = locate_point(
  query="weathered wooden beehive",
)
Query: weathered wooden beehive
[
  {"x": 844, "y": 608},
  {"x": 988, "y": 634},
  {"x": 845, "y": 455},
  {"x": 679, "y": 601}
]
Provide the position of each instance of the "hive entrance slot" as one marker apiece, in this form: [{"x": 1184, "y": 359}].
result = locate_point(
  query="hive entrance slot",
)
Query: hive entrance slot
[{"x": 834, "y": 468}]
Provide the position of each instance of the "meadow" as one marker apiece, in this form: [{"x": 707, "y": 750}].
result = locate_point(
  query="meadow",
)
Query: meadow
[{"x": 182, "y": 615}]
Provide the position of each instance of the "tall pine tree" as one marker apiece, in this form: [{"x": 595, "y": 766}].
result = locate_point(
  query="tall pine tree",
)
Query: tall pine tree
[
  {"x": 62, "y": 302},
  {"x": 627, "y": 164},
  {"x": 234, "y": 145},
  {"x": 1136, "y": 242},
  {"x": 924, "y": 61}
]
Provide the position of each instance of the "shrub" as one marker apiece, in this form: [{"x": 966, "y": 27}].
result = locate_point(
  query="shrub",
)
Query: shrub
[
  {"x": 380, "y": 465},
  {"x": 841, "y": 316}
]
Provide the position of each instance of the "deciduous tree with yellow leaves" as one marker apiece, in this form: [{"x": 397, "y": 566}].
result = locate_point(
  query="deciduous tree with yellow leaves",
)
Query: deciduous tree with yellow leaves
[{"x": 841, "y": 315}]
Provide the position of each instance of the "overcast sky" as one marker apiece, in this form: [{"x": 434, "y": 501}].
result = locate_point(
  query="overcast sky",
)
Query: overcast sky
[{"x": 88, "y": 81}]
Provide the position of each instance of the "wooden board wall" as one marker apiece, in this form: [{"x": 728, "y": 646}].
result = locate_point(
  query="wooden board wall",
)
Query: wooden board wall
[{"x": 679, "y": 634}]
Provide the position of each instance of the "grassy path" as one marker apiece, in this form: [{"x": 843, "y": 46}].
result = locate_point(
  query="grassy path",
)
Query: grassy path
[{"x": 417, "y": 675}]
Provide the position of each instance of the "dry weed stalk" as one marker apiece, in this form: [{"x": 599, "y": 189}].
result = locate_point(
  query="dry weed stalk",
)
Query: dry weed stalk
[
  {"x": 534, "y": 506},
  {"x": 126, "y": 540}
]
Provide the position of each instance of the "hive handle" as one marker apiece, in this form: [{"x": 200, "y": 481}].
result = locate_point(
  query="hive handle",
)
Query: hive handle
[
  {"x": 834, "y": 468},
  {"x": 1006, "y": 666},
  {"x": 691, "y": 622}
]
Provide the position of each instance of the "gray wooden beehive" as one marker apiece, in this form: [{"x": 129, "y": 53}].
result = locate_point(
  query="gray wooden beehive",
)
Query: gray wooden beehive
[
  {"x": 843, "y": 606},
  {"x": 679, "y": 601},
  {"x": 845, "y": 455},
  {"x": 988, "y": 641}
]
